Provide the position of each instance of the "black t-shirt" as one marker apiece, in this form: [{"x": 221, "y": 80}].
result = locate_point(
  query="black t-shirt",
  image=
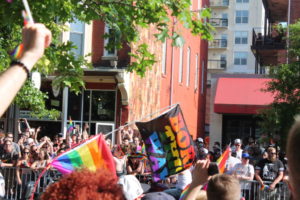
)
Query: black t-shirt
[
  {"x": 269, "y": 170},
  {"x": 9, "y": 157}
]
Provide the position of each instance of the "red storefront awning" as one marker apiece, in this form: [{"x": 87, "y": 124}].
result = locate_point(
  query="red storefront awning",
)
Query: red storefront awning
[{"x": 241, "y": 95}]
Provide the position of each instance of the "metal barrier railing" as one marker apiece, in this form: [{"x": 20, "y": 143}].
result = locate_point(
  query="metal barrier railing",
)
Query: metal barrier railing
[
  {"x": 28, "y": 177},
  {"x": 251, "y": 190}
]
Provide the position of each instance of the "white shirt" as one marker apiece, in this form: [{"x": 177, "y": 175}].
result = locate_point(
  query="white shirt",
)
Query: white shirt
[
  {"x": 183, "y": 179},
  {"x": 230, "y": 163},
  {"x": 244, "y": 170}
]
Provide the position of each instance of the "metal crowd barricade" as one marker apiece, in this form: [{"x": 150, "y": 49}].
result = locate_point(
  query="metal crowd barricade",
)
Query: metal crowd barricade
[
  {"x": 252, "y": 190},
  {"x": 13, "y": 190}
]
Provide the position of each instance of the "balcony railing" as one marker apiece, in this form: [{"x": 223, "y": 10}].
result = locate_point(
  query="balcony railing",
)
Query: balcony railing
[
  {"x": 218, "y": 44},
  {"x": 219, "y": 3},
  {"x": 219, "y": 22},
  {"x": 217, "y": 64},
  {"x": 273, "y": 41}
]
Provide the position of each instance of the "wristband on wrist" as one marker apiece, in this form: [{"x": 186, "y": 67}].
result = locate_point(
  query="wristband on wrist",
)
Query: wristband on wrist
[{"x": 21, "y": 64}]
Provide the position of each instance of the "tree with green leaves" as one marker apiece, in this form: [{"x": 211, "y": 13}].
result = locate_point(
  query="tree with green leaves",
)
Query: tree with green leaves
[
  {"x": 285, "y": 86},
  {"x": 125, "y": 17}
]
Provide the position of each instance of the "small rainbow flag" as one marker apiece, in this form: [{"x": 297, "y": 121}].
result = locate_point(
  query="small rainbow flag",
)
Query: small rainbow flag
[
  {"x": 71, "y": 126},
  {"x": 92, "y": 154},
  {"x": 222, "y": 160},
  {"x": 184, "y": 192},
  {"x": 17, "y": 52}
]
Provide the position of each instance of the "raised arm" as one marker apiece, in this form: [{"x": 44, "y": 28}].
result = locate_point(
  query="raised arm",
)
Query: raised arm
[{"x": 36, "y": 37}]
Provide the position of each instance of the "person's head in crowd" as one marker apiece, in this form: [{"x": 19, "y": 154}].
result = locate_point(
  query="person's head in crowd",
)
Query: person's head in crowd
[
  {"x": 9, "y": 136},
  {"x": 2, "y": 138},
  {"x": 85, "y": 185},
  {"x": 60, "y": 138},
  {"x": 200, "y": 142},
  {"x": 26, "y": 153},
  {"x": 272, "y": 154},
  {"x": 126, "y": 141},
  {"x": 245, "y": 158},
  {"x": 26, "y": 133},
  {"x": 251, "y": 141},
  {"x": 74, "y": 138},
  {"x": 136, "y": 141},
  {"x": 43, "y": 155},
  {"x": 265, "y": 155},
  {"x": 55, "y": 148},
  {"x": 223, "y": 187},
  {"x": 34, "y": 151},
  {"x": 237, "y": 144},
  {"x": 293, "y": 157},
  {"x": 29, "y": 141},
  {"x": 203, "y": 153},
  {"x": 8, "y": 146},
  {"x": 117, "y": 151},
  {"x": 62, "y": 146}
]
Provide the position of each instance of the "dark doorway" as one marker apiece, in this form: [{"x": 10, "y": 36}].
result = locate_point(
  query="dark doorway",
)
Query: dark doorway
[{"x": 240, "y": 126}]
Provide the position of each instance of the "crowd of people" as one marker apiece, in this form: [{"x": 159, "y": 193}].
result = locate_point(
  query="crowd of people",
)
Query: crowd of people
[{"x": 245, "y": 162}]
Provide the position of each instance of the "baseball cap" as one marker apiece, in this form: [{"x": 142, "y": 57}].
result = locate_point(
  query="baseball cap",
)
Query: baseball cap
[
  {"x": 237, "y": 141},
  {"x": 245, "y": 155},
  {"x": 132, "y": 188},
  {"x": 199, "y": 139}
]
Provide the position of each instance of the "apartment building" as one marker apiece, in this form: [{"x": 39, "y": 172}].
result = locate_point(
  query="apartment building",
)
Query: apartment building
[
  {"x": 233, "y": 72},
  {"x": 113, "y": 96}
]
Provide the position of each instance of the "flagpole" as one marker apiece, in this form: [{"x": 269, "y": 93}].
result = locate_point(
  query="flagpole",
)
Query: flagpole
[{"x": 25, "y": 3}]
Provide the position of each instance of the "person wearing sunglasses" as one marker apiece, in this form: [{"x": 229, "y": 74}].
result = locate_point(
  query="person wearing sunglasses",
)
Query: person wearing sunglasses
[{"x": 269, "y": 172}]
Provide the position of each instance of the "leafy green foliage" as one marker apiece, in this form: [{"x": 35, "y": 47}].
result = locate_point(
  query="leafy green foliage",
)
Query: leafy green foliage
[
  {"x": 285, "y": 86},
  {"x": 125, "y": 17}
]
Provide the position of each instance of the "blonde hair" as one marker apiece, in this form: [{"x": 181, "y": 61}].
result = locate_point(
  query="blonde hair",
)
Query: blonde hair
[{"x": 223, "y": 187}]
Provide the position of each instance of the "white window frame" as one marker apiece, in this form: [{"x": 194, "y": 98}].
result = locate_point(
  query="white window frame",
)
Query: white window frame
[
  {"x": 197, "y": 72},
  {"x": 79, "y": 33},
  {"x": 180, "y": 74},
  {"x": 105, "y": 51},
  {"x": 240, "y": 55},
  {"x": 164, "y": 58},
  {"x": 244, "y": 14},
  {"x": 106, "y": 134},
  {"x": 241, "y": 35},
  {"x": 188, "y": 66},
  {"x": 202, "y": 77}
]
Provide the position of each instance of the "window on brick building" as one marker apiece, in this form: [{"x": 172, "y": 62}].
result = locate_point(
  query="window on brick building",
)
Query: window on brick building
[
  {"x": 188, "y": 66},
  {"x": 180, "y": 73},
  {"x": 196, "y": 73},
  {"x": 77, "y": 36},
  {"x": 164, "y": 56},
  {"x": 110, "y": 39},
  {"x": 241, "y": 16}
]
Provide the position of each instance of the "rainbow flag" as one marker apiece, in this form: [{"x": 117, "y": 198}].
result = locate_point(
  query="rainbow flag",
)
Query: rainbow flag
[
  {"x": 17, "y": 52},
  {"x": 184, "y": 192},
  {"x": 222, "y": 160},
  {"x": 92, "y": 154},
  {"x": 71, "y": 127}
]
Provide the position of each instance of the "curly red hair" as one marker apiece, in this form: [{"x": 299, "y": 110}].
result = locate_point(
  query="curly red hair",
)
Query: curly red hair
[{"x": 85, "y": 185}]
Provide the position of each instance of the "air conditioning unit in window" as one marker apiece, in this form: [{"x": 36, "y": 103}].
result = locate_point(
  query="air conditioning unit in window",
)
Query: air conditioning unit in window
[{"x": 107, "y": 130}]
